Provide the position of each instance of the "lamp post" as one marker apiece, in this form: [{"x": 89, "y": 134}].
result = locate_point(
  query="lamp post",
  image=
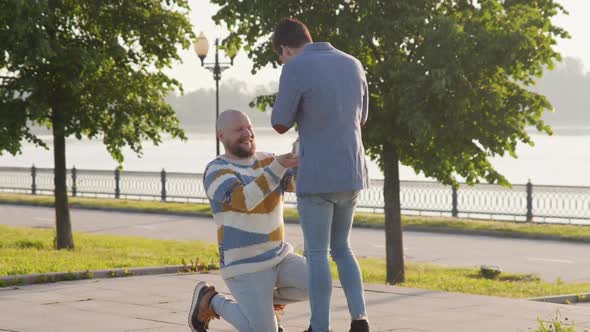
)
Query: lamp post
[{"x": 201, "y": 46}]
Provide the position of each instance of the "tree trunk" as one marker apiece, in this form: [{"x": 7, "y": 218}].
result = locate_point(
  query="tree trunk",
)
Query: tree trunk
[
  {"x": 63, "y": 225},
  {"x": 394, "y": 248}
]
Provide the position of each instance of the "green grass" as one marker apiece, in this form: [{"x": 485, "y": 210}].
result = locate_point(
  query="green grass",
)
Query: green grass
[
  {"x": 465, "y": 280},
  {"x": 555, "y": 326},
  {"x": 559, "y": 323},
  {"x": 28, "y": 251},
  {"x": 500, "y": 228},
  {"x": 530, "y": 230},
  {"x": 110, "y": 203}
]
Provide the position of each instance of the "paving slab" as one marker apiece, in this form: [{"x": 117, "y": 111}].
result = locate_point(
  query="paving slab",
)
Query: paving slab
[{"x": 161, "y": 303}]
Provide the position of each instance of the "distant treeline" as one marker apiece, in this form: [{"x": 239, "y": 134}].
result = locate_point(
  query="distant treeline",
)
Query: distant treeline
[
  {"x": 567, "y": 87},
  {"x": 196, "y": 110}
]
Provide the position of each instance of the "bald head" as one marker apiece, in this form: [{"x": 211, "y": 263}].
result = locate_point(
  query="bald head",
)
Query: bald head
[
  {"x": 235, "y": 131},
  {"x": 229, "y": 117}
]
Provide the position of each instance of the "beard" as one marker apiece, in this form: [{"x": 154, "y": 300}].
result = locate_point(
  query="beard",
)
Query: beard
[{"x": 240, "y": 151}]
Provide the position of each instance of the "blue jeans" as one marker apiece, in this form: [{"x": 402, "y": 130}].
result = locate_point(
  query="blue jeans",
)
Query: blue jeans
[
  {"x": 255, "y": 293},
  {"x": 326, "y": 220}
]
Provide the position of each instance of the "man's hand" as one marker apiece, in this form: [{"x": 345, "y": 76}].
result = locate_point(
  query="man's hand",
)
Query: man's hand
[
  {"x": 288, "y": 160},
  {"x": 280, "y": 128}
]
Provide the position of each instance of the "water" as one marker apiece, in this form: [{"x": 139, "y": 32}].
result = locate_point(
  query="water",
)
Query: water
[{"x": 555, "y": 160}]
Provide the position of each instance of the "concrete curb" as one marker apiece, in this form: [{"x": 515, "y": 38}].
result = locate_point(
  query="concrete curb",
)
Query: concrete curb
[
  {"x": 42, "y": 278},
  {"x": 357, "y": 224},
  {"x": 564, "y": 299}
]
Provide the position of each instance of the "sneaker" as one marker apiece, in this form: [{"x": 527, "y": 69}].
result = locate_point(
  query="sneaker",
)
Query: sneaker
[
  {"x": 360, "y": 325},
  {"x": 201, "y": 312}
]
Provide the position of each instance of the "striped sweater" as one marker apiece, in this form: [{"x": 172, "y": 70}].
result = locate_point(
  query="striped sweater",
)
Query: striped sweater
[{"x": 246, "y": 199}]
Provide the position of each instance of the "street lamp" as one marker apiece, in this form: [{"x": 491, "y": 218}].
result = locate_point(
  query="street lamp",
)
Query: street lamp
[{"x": 201, "y": 46}]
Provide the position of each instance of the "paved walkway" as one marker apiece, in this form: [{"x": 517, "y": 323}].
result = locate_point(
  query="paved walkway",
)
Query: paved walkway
[{"x": 160, "y": 303}]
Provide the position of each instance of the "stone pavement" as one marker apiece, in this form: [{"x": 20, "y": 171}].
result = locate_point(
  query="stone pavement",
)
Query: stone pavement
[{"x": 161, "y": 303}]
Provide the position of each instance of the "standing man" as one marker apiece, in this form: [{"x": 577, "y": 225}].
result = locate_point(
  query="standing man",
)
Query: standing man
[
  {"x": 325, "y": 92},
  {"x": 245, "y": 189}
]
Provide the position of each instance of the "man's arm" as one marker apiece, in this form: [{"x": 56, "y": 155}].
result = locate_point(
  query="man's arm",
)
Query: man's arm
[
  {"x": 288, "y": 182},
  {"x": 365, "y": 114},
  {"x": 286, "y": 102},
  {"x": 223, "y": 186}
]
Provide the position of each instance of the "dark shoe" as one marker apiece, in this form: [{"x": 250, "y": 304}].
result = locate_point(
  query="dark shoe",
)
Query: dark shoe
[
  {"x": 201, "y": 312},
  {"x": 359, "y": 326},
  {"x": 309, "y": 329}
]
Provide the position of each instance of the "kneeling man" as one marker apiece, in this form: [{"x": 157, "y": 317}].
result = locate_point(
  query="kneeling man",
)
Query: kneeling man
[{"x": 245, "y": 189}]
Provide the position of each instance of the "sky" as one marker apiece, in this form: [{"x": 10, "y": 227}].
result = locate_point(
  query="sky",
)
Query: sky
[{"x": 192, "y": 76}]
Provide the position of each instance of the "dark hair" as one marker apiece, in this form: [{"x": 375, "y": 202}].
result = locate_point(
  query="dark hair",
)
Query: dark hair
[{"x": 290, "y": 32}]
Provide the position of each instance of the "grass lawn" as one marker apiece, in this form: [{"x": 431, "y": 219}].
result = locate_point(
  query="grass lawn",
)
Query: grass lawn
[
  {"x": 469, "y": 280},
  {"x": 500, "y": 228},
  {"x": 28, "y": 250}
]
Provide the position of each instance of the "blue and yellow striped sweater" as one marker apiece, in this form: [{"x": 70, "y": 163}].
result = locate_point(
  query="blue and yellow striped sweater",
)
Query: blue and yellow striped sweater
[{"x": 246, "y": 199}]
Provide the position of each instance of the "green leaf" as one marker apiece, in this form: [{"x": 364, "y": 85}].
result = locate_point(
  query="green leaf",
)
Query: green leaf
[{"x": 448, "y": 79}]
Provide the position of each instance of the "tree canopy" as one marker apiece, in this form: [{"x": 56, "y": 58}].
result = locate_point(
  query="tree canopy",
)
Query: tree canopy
[
  {"x": 88, "y": 68},
  {"x": 449, "y": 80},
  {"x": 99, "y": 62}
]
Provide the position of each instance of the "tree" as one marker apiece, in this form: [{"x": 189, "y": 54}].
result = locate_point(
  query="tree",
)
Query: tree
[
  {"x": 449, "y": 80},
  {"x": 88, "y": 68}
]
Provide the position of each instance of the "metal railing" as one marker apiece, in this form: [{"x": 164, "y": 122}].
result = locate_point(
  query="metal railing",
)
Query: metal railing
[{"x": 528, "y": 202}]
